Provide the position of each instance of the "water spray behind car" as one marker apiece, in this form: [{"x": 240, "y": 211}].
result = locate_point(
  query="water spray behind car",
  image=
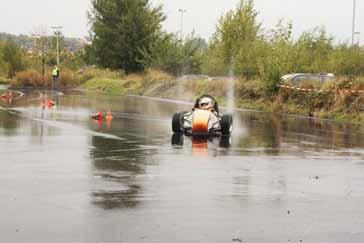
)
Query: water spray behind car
[
  {"x": 238, "y": 128},
  {"x": 231, "y": 88},
  {"x": 181, "y": 81}
]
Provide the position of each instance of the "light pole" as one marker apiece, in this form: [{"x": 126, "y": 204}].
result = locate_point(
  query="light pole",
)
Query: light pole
[
  {"x": 182, "y": 11},
  {"x": 353, "y": 29},
  {"x": 358, "y": 35},
  {"x": 57, "y": 31}
]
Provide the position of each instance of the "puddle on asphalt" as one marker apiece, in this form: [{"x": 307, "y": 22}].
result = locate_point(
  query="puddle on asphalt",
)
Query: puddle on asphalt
[{"x": 132, "y": 178}]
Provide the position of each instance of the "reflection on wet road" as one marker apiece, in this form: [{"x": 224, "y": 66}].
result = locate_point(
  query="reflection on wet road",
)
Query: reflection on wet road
[{"x": 66, "y": 178}]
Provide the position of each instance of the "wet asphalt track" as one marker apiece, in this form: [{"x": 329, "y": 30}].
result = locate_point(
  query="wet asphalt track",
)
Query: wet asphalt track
[{"x": 66, "y": 178}]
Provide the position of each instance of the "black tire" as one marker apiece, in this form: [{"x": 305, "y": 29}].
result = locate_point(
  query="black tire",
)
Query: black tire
[
  {"x": 177, "y": 122},
  {"x": 225, "y": 142},
  {"x": 226, "y": 125},
  {"x": 177, "y": 139}
]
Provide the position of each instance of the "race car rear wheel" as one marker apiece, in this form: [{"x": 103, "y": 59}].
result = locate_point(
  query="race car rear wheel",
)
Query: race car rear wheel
[
  {"x": 226, "y": 125},
  {"x": 177, "y": 122},
  {"x": 177, "y": 139},
  {"x": 225, "y": 141}
]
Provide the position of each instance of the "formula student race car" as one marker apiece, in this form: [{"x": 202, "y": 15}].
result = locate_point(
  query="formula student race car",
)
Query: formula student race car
[{"x": 203, "y": 120}]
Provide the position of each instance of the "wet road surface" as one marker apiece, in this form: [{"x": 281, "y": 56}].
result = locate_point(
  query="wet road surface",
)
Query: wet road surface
[{"x": 66, "y": 178}]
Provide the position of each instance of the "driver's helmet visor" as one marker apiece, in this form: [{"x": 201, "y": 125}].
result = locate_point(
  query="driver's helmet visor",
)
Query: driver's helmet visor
[{"x": 205, "y": 103}]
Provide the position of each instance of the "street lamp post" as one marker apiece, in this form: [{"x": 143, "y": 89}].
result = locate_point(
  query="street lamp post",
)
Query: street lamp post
[
  {"x": 358, "y": 35},
  {"x": 57, "y": 31},
  {"x": 182, "y": 11},
  {"x": 353, "y": 27}
]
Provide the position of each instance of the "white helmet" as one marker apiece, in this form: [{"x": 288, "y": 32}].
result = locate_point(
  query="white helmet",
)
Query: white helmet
[{"x": 205, "y": 103}]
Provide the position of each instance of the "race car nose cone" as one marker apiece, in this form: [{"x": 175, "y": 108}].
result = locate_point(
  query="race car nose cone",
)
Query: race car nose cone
[{"x": 200, "y": 122}]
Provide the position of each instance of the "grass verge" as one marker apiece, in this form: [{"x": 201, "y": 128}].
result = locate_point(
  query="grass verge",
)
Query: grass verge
[
  {"x": 5, "y": 81},
  {"x": 112, "y": 86}
]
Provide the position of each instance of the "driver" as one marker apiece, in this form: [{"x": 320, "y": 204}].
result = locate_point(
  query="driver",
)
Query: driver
[{"x": 206, "y": 103}]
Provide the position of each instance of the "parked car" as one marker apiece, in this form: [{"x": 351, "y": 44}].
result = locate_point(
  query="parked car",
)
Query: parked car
[{"x": 298, "y": 78}]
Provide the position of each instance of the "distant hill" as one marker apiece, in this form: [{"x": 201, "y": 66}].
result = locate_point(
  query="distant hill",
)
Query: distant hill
[{"x": 26, "y": 41}]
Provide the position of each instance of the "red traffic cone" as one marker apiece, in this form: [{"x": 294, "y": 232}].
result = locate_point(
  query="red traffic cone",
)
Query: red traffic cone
[
  {"x": 97, "y": 116},
  {"x": 109, "y": 116}
]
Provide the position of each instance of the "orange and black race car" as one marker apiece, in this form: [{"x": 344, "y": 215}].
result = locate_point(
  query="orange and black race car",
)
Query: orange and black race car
[{"x": 203, "y": 120}]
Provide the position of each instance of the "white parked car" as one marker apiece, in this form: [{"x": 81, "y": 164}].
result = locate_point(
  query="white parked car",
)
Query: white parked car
[{"x": 298, "y": 78}]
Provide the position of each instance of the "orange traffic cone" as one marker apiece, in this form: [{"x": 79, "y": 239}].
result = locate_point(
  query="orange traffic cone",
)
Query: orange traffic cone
[
  {"x": 50, "y": 103},
  {"x": 108, "y": 116},
  {"x": 97, "y": 116}
]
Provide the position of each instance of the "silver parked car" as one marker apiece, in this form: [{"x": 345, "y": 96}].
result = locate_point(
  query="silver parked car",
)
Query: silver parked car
[{"x": 298, "y": 78}]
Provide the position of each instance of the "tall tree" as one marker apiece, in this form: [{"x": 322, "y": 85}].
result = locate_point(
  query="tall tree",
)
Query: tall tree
[
  {"x": 178, "y": 58},
  {"x": 124, "y": 32},
  {"x": 40, "y": 45},
  {"x": 13, "y": 57},
  {"x": 2, "y": 63},
  {"x": 235, "y": 41}
]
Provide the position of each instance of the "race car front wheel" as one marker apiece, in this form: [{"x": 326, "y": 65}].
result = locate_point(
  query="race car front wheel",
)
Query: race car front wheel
[
  {"x": 177, "y": 122},
  {"x": 177, "y": 139},
  {"x": 226, "y": 125}
]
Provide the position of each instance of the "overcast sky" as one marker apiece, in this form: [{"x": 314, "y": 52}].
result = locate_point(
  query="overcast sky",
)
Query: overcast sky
[{"x": 22, "y": 16}]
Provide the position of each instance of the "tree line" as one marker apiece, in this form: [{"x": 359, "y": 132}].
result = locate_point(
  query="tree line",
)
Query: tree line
[{"x": 127, "y": 35}]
